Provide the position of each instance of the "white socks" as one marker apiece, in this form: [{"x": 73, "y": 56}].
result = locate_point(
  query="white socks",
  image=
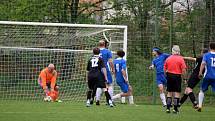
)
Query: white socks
[
  {"x": 123, "y": 100},
  {"x": 110, "y": 91},
  {"x": 163, "y": 98},
  {"x": 201, "y": 98},
  {"x": 98, "y": 93},
  {"x": 131, "y": 99}
]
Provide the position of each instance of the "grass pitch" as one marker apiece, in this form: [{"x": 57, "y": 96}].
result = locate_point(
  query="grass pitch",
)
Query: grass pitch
[{"x": 68, "y": 111}]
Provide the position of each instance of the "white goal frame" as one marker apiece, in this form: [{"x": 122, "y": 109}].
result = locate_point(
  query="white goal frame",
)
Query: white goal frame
[{"x": 125, "y": 32}]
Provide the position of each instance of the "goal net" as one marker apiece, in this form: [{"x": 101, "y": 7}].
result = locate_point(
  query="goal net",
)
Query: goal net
[{"x": 28, "y": 47}]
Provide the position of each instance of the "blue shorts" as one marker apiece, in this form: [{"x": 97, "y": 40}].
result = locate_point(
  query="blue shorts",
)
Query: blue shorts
[
  {"x": 206, "y": 83},
  {"x": 160, "y": 79},
  {"x": 123, "y": 86}
]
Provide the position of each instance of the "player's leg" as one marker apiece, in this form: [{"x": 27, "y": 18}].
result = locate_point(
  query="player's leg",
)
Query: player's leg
[
  {"x": 192, "y": 82},
  {"x": 90, "y": 89},
  {"x": 204, "y": 88},
  {"x": 107, "y": 95},
  {"x": 169, "y": 92},
  {"x": 45, "y": 93},
  {"x": 192, "y": 97},
  {"x": 184, "y": 98},
  {"x": 109, "y": 83},
  {"x": 177, "y": 91},
  {"x": 161, "y": 81},
  {"x": 162, "y": 94},
  {"x": 169, "y": 101},
  {"x": 98, "y": 95},
  {"x": 130, "y": 97},
  {"x": 176, "y": 102},
  {"x": 123, "y": 100},
  {"x": 126, "y": 92}
]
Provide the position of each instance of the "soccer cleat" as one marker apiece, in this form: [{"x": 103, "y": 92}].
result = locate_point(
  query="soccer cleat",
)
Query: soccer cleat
[
  {"x": 97, "y": 103},
  {"x": 195, "y": 106},
  {"x": 167, "y": 110},
  {"x": 111, "y": 105},
  {"x": 88, "y": 105},
  {"x": 199, "y": 109},
  {"x": 175, "y": 111},
  {"x": 59, "y": 101},
  {"x": 114, "y": 104}
]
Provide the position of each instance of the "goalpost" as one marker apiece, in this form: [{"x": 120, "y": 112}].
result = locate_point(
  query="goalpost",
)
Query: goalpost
[{"x": 28, "y": 47}]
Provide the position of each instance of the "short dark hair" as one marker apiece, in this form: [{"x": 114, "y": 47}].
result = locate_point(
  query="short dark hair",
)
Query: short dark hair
[
  {"x": 121, "y": 53},
  {"x": 96, "y": 51},
  {"x": 158, "y": 50},
  {"x": 212, "y": 45},
  {"x": 205, "y": 50}
]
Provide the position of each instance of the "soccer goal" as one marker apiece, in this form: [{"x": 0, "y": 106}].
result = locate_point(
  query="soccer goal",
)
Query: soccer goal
[{"x": 28, "y": 47}]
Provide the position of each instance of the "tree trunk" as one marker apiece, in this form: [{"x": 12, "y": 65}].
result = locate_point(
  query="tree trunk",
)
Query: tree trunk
[
  {"x": 209, "y": 27},
  {"x": 74, "y": 10}
]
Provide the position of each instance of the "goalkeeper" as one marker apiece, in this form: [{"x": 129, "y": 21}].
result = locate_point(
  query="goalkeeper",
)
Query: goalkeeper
[{"x": 47, "y": 80}]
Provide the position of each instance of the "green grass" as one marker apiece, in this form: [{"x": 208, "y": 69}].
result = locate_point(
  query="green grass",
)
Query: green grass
[{"x": 68, "y": 111}]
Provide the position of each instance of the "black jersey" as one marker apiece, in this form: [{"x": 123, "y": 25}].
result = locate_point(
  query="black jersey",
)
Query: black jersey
[
  {"x": 198, "y": 64},
  {"x": 95, "y": 63}
]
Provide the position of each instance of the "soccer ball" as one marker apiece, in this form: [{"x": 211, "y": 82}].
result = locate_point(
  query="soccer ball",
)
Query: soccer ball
[
  {"x": 47, "y": 99},
  {"x": 53, "y": 95}
]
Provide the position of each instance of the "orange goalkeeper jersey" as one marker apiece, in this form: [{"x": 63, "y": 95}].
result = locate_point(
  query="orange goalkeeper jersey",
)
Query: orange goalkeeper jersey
[{"x": 47, "y": 77}]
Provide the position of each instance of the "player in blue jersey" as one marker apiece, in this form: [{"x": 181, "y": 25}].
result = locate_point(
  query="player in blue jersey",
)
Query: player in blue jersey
[
  {"x": 158, "y": 64},
  {"x": 208, "y": 63},
  {"x": 122, "y": 77},
  {"x": 106, "y": 56}
]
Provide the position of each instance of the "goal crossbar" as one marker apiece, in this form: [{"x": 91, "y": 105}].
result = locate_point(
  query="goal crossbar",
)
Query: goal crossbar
[{"x": 63, "y": 25}]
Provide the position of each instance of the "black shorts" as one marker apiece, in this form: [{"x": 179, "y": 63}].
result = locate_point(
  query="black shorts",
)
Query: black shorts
[
  {"x": 96, "y": 80},
  {"x": 49, "y": 85},
  {"x": 173, "y": 82},
  {"x": 193, "y": 80}
]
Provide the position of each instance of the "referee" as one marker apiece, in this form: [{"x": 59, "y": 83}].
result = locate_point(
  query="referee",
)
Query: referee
[{"x": 174, "y": 68}]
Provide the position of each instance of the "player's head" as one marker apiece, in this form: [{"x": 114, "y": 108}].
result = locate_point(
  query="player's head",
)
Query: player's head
[
  {"x": 96, "y": 51},
  {"x": 204, "y": 50},
  {"x": 120, "y": 53},
  {"x": 212, "y": 46},
  {"x": 51, "y": 67},
  {"x": 102, "y": 43},
  {"x": 176, "y": 50},
  {"x": 156, "y": 51}
]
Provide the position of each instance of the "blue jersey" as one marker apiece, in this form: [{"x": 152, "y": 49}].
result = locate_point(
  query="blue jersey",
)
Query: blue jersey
[
  {"x": 105, "y": 54},
  {"x": 209, "y": 59},
  {"x": 158, "y": 62},
  {"x": 119, "y": 64}
]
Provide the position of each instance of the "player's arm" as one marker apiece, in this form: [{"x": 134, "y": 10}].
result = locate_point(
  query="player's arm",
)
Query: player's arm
[
  {"x": 105, "y": 73},
  {"x": 110, "y": 60},
  {"x": 88, "y": 69},
  {"x": 103, "y": 69},
  {"x": 165, "y": 67},
  {"x": 190, "y": 58},
  {"x": 152, "y": 66},
  {"x": 184, "y": 71},
  {"x": 43, "y": 78},
  {"x": 124, "y": 72},
  {"x": 111, "y": 65},
  {"x": 53, "y": 80},
  {"x": 202, "y": 67}
]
